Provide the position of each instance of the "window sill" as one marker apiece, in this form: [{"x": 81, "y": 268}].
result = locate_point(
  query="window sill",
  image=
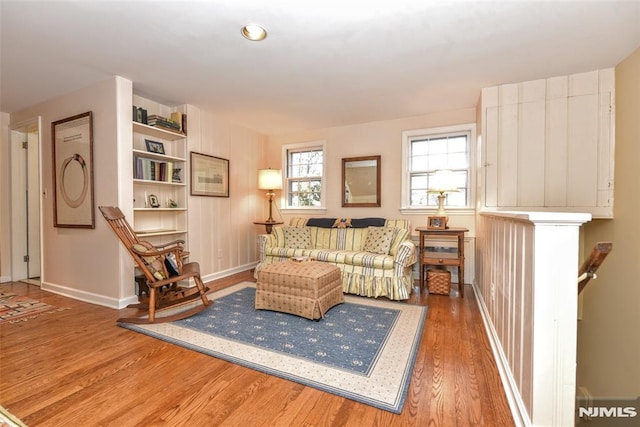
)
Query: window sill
[{"x": 432, "y": 211}]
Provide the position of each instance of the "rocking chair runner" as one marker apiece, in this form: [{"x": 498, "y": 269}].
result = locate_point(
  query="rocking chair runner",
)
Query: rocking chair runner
[{"x": 163, "y": 268}]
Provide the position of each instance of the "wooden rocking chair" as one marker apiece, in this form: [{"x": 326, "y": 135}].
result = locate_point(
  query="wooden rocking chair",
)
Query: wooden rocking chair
[{"x": 163, "y": 268}]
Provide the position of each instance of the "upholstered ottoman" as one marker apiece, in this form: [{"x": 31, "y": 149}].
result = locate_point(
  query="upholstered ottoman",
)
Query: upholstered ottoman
[{"x": 307, "y": 289}]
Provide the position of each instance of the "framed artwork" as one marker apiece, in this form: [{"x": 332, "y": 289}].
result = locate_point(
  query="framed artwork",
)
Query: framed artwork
[
  {"x": 437, "y": 222},
  {"x": 153, "y": 201},
  {"x": 154, "y": 146},
  {"x": 209, "y": 175},
  {"x": 72, "y": 140}
]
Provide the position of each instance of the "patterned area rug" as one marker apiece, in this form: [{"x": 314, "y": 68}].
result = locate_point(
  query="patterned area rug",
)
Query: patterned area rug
[
  {"x": 15, "y": 308},
  {"x": 363, "y": 350},
  {"x": 7, "y": 419}
]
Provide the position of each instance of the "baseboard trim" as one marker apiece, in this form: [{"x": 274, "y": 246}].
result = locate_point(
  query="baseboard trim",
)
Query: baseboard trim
[
  {"x": 120, "y": 303},
  {"x": 518, "y": 410},
  {"x": 229, "y": 272},
  {"x": 90, "y": 297},
  {"x": 4, "y": 279}
]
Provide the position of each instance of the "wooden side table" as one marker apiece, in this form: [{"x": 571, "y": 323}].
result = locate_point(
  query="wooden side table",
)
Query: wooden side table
[
  {"x": 427, "y": 258},
  {"x": 268, "y": 225}
]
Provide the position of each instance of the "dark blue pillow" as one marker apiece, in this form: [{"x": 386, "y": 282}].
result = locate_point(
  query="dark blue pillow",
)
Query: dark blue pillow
[
  {"x": 367, "y": 222},
  {"x": 321, "y": 222},
  {"x": 355, "y": 222}
]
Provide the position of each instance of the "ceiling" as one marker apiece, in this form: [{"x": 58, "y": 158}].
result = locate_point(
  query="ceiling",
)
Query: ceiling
[{"x": 323, "y": 64}]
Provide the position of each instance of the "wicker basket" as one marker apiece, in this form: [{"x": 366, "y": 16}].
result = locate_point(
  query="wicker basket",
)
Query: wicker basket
[{"x": 439, "y": 282}]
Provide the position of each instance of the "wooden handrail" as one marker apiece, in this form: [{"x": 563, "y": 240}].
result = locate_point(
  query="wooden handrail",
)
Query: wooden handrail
[{"x": 590, "y": 265}]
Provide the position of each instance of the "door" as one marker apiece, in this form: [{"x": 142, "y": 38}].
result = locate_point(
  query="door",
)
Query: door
[{"x": 25, "y": 201}]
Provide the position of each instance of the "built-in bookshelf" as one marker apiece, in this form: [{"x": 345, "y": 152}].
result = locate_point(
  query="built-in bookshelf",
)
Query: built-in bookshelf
[{"x": 159, "y": 176}]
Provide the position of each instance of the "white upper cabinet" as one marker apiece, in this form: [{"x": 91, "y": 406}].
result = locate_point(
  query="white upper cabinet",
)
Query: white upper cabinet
[{"x": 549, "y": 144}]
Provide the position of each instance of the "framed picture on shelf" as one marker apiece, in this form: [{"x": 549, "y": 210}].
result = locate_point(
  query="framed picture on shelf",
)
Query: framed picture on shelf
[
  {"x": 153, "y": 201},
  {"x": 154, "y": 146},
  {"x": 209, "y": 175},
  {"x": 175, "y": 177},
  {"x": 72, "y": 140},
  {"x": 437, "y": 222}
]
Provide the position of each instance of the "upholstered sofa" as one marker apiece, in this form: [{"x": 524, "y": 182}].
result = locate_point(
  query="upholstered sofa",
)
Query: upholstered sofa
[{"x": 375, "y": 255}]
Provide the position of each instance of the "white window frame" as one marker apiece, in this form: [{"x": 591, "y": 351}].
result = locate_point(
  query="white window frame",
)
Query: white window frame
[
  {"x": 407, "y": 137},
  {"x": 302, "y": 146}
]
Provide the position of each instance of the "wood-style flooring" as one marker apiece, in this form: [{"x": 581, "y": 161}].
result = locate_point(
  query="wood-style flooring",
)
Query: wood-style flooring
[{"x": 77, "y": 368}]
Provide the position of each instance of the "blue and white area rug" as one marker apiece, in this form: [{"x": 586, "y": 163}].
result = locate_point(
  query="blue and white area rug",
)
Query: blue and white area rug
[{"x": 363, "y": 350}]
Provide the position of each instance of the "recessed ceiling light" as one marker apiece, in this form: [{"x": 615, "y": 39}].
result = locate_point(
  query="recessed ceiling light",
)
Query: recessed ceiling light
[{"x": 254, "y": 32}]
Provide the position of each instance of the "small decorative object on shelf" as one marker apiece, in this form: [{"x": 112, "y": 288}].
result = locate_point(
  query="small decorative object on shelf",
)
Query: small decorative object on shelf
[
  {"x": 139, "y": 115},
  {"x": 153, "y": 201},
  {"x": 437, "y": 222},
  {"x": 154, "y": 146},
  {"x": 172, "y": 204}
]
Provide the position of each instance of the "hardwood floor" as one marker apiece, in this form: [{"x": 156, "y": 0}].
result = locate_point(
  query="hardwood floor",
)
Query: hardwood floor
[{"x": 77, "y": 368}]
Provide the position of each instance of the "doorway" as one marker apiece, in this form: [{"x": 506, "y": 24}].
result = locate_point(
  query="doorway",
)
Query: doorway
[{"x": 26, "y": 239}]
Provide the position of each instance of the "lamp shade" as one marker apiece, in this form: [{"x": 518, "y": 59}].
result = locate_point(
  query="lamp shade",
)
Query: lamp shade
[
  {"x": 442, "y": 181},
  {"x": 269, "y": 179}
]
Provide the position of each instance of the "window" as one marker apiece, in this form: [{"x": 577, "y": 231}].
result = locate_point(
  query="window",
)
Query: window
[
  {"x": 304, "y": 176},
  {"x": 429, "y": 150}
]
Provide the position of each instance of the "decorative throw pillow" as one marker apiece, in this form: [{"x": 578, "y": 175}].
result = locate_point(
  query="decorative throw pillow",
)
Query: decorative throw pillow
[
  {"x": 342, "y": 223},
  {"x": 379, "y": 240},
  {"x": 297, "y": 237},
  {"x": 153, "y": 262},
  {"x": 171, "y": 264}
]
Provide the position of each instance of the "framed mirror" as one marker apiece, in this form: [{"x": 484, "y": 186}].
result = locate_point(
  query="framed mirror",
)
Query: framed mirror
[{"x": 361, "y": 181}]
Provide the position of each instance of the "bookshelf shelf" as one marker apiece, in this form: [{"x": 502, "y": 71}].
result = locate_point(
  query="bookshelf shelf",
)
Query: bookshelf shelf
[
  {"x": 159, "y": 209},
  {"x": 161, "y": 157},
  {"x": 156, "y": 132},
  {"x": 154, "y": 182},
  {"x": 156, "y": 233}
]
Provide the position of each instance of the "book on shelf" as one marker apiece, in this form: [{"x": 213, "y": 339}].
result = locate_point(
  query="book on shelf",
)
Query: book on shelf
[
  {"x": 153, "y": 170},
  {"x": 155, "y": 120},
  {"x": 177, "y": 118}
]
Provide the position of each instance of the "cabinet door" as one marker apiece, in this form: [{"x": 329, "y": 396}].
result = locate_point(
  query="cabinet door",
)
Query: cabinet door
[{"x": 549, "y": 144}]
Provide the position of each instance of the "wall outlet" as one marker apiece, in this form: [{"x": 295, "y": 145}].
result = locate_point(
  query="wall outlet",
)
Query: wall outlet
[
  {"x": 220, "y": 254},
  {"x": 492, "y": 291}
]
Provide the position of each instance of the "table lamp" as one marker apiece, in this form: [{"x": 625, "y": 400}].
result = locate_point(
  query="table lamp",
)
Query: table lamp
[
  {"x": 270, "y": 179},
  {"x": 442, "y": 182}
]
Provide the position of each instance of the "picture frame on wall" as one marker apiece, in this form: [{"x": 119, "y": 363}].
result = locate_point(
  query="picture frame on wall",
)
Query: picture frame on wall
[
  {"x": 72, "y": 147},
  {"x": 209, "y": 175},
  {"x": 437, "y": 222}
]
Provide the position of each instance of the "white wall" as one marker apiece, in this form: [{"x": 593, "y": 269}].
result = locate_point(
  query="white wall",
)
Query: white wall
[
  {"x": 222, "y": 237},
  {"x": 83, "y": 263},
  {"x": 375, "y": 138}
]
